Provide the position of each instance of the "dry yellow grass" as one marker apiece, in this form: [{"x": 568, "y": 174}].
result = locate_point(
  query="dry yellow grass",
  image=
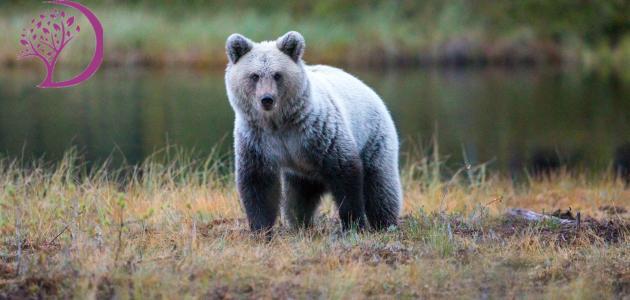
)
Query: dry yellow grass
[{"x": 177, "y": 231}]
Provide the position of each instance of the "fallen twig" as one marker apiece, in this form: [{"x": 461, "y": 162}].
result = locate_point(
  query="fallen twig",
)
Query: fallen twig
[
  {"x": 579, "y": 221},
  {"x": 58, "y": 235},
  {"x": 4, "y": 282},
  {"x": 529, "y": 215}
]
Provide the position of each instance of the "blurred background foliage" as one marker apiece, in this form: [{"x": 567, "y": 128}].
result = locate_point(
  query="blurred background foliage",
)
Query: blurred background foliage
[{"x": 353, "y": 32}]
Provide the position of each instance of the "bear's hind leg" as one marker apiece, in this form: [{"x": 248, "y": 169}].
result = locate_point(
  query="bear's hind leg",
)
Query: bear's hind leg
[
  {"x": 382, "y": 192},
  {"x": 302, "y": 197}
]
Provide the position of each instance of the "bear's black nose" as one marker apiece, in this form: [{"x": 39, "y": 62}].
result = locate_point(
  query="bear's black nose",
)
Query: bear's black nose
[{"x": 267, "y": 102}]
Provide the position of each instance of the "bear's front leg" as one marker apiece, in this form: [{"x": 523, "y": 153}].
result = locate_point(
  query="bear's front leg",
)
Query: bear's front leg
[
  {"x": 345, "y": 178},
  {"x": 258, "y": 184}
]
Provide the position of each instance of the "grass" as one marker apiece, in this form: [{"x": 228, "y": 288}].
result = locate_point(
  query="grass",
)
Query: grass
[
  {"x": 173, "y": 228},
  {"x": 431, "y": 32}
]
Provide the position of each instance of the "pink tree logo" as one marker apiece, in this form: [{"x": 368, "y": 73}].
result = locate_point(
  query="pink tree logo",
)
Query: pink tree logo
[{"x": 51, "y": 32}]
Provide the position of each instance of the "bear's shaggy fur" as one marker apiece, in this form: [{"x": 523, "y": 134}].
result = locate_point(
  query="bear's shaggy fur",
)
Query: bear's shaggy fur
[{"x": 301, "y": 131}]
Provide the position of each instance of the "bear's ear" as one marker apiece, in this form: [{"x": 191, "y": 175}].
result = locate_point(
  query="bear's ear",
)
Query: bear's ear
[
  {"x": 292, "y": 44},
  {"x": 236, "y": 46}
]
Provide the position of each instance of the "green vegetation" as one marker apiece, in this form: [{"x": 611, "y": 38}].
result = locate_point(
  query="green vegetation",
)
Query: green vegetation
[
  {"x": 173, "y": 228},
  {"x": 352, "y": 32}
]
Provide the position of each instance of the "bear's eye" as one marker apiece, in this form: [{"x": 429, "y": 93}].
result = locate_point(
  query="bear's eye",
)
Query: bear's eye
[
  {"x": 277, "y": 76},
  {"x": 254, "y": 77}
]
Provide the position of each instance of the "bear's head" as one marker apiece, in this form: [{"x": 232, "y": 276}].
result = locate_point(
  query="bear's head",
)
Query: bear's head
[{"x": 266, "y": 79}]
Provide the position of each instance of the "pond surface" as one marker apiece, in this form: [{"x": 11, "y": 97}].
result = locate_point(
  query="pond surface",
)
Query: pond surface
[{"x": 506, "y": 117}]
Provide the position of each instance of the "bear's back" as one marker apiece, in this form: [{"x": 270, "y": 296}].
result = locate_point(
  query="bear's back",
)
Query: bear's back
[{"x": 362, "y": 109}]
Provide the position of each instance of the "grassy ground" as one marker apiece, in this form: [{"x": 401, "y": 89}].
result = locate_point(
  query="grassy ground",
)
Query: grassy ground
[
  {"x": 177, "y": 231},
  {"x": 350, "y": 32}
]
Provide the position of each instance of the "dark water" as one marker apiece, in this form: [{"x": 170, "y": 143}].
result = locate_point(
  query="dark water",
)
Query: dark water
[{"x": 510, "y": 118}]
